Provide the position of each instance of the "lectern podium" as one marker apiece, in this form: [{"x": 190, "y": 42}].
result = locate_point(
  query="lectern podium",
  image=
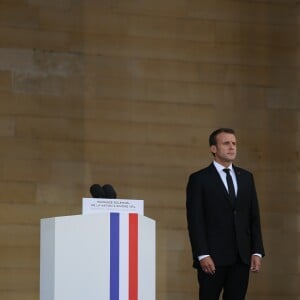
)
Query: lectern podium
[{"x": 102, "y": 256}]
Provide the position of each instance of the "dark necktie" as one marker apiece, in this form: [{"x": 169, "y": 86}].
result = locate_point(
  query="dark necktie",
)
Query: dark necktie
[{"x": 230, "y": 186}]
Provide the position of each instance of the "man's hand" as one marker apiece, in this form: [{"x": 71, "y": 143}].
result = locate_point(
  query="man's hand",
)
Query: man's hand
[
  {"x": 255, "y": 263},
  {"x": 207, "y": 265}
]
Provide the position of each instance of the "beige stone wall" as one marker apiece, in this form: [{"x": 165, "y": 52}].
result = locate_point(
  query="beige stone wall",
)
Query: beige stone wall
[{"x": 126, "y": 92}]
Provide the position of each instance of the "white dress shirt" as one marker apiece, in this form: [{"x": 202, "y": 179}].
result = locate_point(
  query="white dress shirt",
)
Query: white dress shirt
[{"x": 222, "y": 174}]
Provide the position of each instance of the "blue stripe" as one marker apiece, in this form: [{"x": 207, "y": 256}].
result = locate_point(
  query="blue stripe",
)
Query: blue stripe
[{"x": 114, "y": 255}]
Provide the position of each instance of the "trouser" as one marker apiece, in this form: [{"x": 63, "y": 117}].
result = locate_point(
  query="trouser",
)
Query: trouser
[{"x": 232, "y": 280}]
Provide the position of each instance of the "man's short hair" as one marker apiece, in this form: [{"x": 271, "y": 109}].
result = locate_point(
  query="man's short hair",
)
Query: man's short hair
[{"x": 213, "y": 135}]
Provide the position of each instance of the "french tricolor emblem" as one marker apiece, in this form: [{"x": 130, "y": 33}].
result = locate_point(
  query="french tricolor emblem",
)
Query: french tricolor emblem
[{"x": 128, "y": 255}]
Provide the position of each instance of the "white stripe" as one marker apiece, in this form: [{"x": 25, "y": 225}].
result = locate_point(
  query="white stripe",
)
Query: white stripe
[{"x": 124, "y": 256}]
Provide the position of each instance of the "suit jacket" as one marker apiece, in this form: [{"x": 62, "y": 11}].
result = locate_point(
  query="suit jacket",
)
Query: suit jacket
[{"x": 215, "y": 227}]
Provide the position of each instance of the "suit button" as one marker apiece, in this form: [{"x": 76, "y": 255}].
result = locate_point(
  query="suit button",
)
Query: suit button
[{"x": 234, "y": 212}]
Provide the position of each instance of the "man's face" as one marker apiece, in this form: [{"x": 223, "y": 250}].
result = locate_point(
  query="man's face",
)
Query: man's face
[{"x": 225, "y": 149}]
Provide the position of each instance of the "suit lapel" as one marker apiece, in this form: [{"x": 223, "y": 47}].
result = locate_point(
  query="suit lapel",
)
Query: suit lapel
[
  {"x": 219, "y": 183},
  {"x": 239, "y": 180}
]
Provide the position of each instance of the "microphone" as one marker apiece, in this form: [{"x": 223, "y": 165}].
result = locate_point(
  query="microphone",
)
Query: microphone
[
  {"x": 109, "y": 191},
  {"x": 97, "y": 191}
]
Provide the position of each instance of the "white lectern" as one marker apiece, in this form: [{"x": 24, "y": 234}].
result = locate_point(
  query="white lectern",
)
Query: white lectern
[{"x": 103, "y": 256}]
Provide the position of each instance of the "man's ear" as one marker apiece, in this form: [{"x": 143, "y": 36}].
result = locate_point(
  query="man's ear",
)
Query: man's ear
[{"x": 213, "y": 149}]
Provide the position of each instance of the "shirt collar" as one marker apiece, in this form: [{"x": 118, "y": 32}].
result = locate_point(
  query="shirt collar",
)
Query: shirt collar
[{"x": 220, "y": 168}]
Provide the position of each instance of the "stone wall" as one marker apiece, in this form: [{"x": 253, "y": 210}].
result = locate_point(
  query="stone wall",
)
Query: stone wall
[{"x": 127, "y": 92}]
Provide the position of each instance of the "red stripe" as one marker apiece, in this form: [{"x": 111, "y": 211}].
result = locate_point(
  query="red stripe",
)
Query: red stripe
[{"x": 133, "y": 257}]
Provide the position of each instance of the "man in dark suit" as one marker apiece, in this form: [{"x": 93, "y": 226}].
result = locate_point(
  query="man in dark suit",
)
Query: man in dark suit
[{"x": 223, "y": 222}]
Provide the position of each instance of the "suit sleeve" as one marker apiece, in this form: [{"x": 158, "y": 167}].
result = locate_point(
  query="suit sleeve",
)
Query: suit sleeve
[
  {"x": 256, "y": 236},
  {"x": 195, "y": 217}
]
